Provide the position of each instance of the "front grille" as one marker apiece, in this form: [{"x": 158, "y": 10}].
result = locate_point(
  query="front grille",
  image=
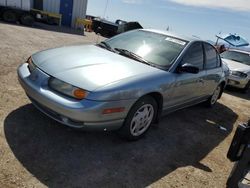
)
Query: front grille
[
  {"x": 56, "y": 116},
  {"x": 45, "y": 109},
  {"x": 233, "y": 82}
]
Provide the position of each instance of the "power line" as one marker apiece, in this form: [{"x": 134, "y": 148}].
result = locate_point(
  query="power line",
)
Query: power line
[{"x": 105, "y": 10}]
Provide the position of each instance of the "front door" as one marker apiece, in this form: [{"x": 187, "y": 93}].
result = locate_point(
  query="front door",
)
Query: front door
[
  {"x": 66, "y": 7},
  {"x": 189, "y": 87}
]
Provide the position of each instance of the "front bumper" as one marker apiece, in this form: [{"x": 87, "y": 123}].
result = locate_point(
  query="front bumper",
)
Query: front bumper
[
  {"x": 84, "y": 114},
  {"x": 237, "y": 81}
]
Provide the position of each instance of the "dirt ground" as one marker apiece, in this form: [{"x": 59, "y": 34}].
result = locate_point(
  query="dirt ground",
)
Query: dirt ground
[{"x": 187, "y": 148}]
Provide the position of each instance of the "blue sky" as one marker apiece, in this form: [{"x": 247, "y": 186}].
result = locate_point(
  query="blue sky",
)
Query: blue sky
[{"x": 203, "y": 18}]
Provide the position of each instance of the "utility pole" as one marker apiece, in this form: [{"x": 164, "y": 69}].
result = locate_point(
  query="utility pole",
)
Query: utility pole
[{"x": 105, "y": 10}]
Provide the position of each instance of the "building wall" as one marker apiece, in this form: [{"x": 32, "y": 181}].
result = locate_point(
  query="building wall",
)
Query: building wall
[
  {"x": 38, "y": 4},
  {"x": 20, "y": 4},
  {"x": 51, "y": 6},
  {"x": 79, "y": 10}
]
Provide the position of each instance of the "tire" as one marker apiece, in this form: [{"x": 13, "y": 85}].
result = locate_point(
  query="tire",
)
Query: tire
[
  {"x": 139, "y": 119},
  {"x": 9, "y": 16},
  {"x": 216, "y": 95},
  {"x": 27, "y": 20},
  {"x": 50, "y": 21}
]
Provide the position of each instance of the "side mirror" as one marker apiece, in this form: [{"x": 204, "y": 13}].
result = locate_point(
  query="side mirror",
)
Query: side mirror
[{"x": 189, "y": 68}]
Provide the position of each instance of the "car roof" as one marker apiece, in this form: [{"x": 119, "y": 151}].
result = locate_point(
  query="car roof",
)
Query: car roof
[
  {"x": 186, "y": 38},
  {"x": 241, "y": 51}
]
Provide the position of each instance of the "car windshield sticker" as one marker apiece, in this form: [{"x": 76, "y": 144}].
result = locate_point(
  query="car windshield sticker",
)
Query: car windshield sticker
[{"x": 175, "y": 41}]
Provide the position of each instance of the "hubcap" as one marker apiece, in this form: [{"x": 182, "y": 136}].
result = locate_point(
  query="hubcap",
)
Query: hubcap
[
  {"x": 215, "y": 95},
  {"x": 142, "y": 119}
]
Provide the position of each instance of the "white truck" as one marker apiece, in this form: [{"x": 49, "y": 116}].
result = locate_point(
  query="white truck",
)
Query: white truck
[{"x": 17, "y": 11}]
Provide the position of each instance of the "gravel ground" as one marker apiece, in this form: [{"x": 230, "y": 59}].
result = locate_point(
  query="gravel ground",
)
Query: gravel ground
[{"x": 187, "y": 148}]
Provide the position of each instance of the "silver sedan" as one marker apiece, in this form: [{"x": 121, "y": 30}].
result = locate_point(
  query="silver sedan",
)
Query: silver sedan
[
  {"x": 124, "y": 83},
  {"x": 239, "y": 65}
]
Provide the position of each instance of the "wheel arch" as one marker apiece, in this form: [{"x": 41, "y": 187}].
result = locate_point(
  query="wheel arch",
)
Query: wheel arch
[
  {"x": 157, "y": 96},
  {"x": 223, "y": 85},
  {"x": 125, "y": 131}
]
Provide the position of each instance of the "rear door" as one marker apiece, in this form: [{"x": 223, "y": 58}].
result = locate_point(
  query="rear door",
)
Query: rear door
[
  {"x": 190, "y": 87},
  {"x": 213, "y": 68}
]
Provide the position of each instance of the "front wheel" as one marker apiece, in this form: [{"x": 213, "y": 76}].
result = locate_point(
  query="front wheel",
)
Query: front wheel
[
  {"x": 139, "y": 118},
  {"x": 213, "y": 99}
]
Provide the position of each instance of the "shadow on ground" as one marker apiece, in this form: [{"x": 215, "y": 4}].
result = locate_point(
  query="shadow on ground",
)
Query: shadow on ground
[
  {"x": 61, "y": 157},
  {"x": 54, "y": 28},
  {"x": 238, "y": 92}
]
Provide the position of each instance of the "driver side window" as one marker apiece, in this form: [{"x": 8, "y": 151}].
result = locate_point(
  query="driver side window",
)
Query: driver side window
[{"x": 194, "y": 55}]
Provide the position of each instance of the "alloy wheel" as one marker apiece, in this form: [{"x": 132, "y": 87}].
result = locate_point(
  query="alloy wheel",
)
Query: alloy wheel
[
  {"x": 142, "y": 119},
  {"x": 216, "y": 95}
]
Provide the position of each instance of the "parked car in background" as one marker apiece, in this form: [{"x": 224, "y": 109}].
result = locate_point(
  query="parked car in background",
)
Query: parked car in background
[
  {"x": 124, "y": 83},
  {"x": 239, "y": 65},
  {"x": 226, "y": 71},
  {"x": 104, "y": 27},
  {"x": 110, "y": 29},
  {"x": 128, "y": 26}
]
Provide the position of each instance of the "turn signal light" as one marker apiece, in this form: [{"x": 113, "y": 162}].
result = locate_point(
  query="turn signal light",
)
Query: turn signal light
[
  {"x": 113, "y": 110},
  {"x": 79, "y": 93}
]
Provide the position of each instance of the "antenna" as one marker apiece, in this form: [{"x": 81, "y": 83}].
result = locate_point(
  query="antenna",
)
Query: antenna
[{"x": 217, "y": 40}]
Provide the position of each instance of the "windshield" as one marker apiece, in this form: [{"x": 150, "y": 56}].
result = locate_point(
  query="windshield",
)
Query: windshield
[
  {"x": 160, "y": 50},
  {"x": 236, "y": 56}
]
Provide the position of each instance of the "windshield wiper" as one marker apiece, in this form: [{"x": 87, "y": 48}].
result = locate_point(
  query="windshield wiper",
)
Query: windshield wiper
[
  {"x": 133, "y": 56},
  {"x": 106, "y": 46}
]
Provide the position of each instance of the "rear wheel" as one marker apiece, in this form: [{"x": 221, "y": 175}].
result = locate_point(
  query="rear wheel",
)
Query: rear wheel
[
  {"x": 213, "y": 99},
  {"x": 139, "y": 118},
  {"x": 9, "y": 16}
]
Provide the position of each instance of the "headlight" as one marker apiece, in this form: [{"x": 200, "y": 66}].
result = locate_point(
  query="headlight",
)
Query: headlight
[
  {"x": 239, "y": 74},
  {"x": 31, "y": 65},
  {"x": 67, "y": 89}
]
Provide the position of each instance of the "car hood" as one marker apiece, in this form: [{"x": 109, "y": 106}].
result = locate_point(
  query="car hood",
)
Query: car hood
[
  {"x": 88, "y": 66},
  {"x": 236, "y": 66}
]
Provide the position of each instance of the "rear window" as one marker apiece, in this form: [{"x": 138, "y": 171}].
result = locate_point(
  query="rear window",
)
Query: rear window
[{"x": 211, "y": 57}]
